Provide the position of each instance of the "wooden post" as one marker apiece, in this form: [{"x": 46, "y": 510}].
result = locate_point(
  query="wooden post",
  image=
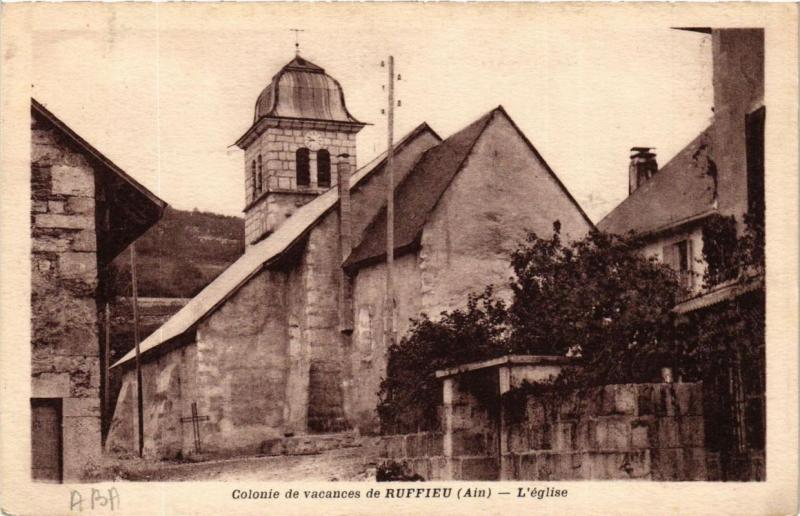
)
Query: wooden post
[
  {"x": 107, "y": 361},
  {"x": 139, "y": 390},
  {"x": 389, "y": 310}
]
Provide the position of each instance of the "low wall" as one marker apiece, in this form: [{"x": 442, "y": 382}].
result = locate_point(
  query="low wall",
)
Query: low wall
[
  {"x": 424, "y": 454},
  {"x": 632, "y": 431}
]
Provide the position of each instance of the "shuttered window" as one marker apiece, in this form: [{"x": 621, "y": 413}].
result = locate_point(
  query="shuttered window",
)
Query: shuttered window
[
  {"x": 323, "y": 169},
  {"x": 302, "y": 167}
]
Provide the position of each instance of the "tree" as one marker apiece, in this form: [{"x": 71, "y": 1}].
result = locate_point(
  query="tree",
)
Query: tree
[{"x": 597, "y": 298}]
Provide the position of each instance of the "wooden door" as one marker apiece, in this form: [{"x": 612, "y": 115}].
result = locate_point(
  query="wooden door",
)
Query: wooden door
[{"x": 46, "y": 439}]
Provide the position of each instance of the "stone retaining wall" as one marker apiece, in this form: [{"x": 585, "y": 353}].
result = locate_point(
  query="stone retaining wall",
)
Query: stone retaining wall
[{"x": 633, "y": 431}]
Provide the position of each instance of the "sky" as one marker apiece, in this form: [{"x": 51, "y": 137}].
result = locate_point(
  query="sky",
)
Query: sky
[{"x": 164, "y": 90}]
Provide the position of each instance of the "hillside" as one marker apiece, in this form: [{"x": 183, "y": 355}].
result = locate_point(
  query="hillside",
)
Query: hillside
[{"x": 181, "y": 254}]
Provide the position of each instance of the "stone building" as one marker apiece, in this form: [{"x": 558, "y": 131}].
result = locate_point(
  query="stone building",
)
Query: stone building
[
  {"x": 720, "y": 173},
  {"x": 84, "y": 211},
  {"x": 290, "y": 339}
]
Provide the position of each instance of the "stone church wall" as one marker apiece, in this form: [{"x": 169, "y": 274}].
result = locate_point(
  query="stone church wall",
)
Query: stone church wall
[
  {"x": 242, "y": 366},
  {"x": 369, "y": 350},
  {"x": 64, "y": 343},
  {"x": 502, "y": 191}
]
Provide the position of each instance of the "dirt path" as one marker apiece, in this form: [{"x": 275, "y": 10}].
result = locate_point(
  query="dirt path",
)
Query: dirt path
[{"x": 341, "y": 464}]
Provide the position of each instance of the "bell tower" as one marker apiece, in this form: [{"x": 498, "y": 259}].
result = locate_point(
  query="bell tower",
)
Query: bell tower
[{"x": 301, "y": 125}]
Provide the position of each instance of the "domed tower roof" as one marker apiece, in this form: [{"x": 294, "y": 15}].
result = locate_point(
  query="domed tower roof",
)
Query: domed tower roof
[{"x": 303, "y": 90}]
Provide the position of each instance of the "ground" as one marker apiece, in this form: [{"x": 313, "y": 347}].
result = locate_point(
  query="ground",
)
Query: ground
[{"x": 344, "y": 464}]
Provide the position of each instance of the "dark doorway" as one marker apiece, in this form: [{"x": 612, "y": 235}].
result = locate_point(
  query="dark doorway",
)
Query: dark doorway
[{"x": 46, "y": 439}]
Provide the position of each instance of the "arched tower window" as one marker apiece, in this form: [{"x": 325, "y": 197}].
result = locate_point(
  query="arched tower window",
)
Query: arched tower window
[
  {"x": 323, "y": 168},
  {"x": 302, "y": 167},
  {"x": 253, "y": 177},
  {"x": 259, "y": 177}
]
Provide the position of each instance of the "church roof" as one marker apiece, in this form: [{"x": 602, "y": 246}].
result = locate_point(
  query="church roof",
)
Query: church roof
[
  {"x": 303, "y": 90},
  {"x": 681, "y": 191},
  {"x": 260, "y": 255},
  {"x": 417, "y": 196}
]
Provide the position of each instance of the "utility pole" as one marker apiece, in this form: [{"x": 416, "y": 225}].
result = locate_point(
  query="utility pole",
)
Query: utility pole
[
  {"x": 390, "y": 301},
  {"x": 139, "y": 390}
]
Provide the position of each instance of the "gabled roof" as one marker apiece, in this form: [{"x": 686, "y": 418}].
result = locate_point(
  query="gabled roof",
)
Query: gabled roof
[
  {"x": 132, "y": 208},
  {"x": 260, "y": 255},
  {"x": 417, "y": 196},
  {"x": 682, "y": 190}
]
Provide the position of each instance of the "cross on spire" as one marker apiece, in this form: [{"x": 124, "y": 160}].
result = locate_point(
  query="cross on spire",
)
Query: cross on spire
[{"x": 297, "y": 40}]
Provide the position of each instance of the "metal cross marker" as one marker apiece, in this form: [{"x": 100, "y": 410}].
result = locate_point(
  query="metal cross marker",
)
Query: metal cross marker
[
  {"x": 195, "y": 419},
  {"x": 297, "y": 40}
]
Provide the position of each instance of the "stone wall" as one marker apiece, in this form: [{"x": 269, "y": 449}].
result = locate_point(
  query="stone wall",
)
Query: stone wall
[
  {"x": 369, "y": 350},
  {"x": 616, "y": 432},
  {"x": 64, "y": 345}
]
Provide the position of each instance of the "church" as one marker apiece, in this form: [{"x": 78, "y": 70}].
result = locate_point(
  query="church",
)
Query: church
[{"x": 290, "y": 340}]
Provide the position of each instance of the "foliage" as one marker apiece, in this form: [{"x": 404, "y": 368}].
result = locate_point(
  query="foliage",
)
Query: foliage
[
  {"x": 393, "y": 471},
  {"x": 729, "y": 256},
  {"x": 180, "y": 255},
  {"x": 594, "y": 298},
  {"x": 410, "y": 393}
]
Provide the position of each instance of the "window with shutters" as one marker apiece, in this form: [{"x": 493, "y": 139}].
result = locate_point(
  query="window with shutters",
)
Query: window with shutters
[
  {"x": 302, "y": 167},
  {"x": 678, "y": 256}
]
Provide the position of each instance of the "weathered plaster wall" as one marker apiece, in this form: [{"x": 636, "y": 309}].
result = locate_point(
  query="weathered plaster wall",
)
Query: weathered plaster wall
[
  {"x": 502, "y": 191},
  {"x": 738, "y": 89},
  {"x": 242, "y": 365},
  {"x": 169, "y": 388},
  {"x": 64, "y": 345},
  {"x": 327, "y": 366},
  {"x": 369, "y": 349}
]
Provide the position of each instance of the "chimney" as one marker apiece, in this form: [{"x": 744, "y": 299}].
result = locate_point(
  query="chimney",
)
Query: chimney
[
  {"x": 345, "y": 244},
  {"x": 643, "y": 166}
]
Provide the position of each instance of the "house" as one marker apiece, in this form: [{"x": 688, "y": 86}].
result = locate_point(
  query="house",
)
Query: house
[{"x": 85, "y": 210}]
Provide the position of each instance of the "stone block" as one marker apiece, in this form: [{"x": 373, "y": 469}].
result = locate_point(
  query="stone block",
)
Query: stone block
[
  {"x": 608, "y": 400},
  {"x": 546, "y": 466},
  {"x": 667, "y": 463},
  {"x": 84, "y": 241},
  {"x": 526, "y": 466},
  {"x": 518, "y": 439},
  {"x": 625, "y": 399},
  {"x": 643, "y": 432},
  {"x": 692, "y": 431},
  {"x": 273, "y": 447},
  {"x": 564, "y": 436},
  {"x": 80, "y": 205},
  {"x": 479, "y": 468},
  {"x": 439, "y": 469},
  {"x": 435, "y": 444},
  {"x": 82, "y": 448},
  {"x": 421, "y": 466},
  {"x": 416, "y": 445},
  {"x": 644, "y": 399},
  {"x": 55, "y": 206},
  {"x": 664, "y": 401},
  {"x": 689, "y": 398},
  {"x": 81, "y": 266},
  {"x": 469, "y": 443},
  {"x": 39, "y": 206},
  {"x": 49, "y": 244},
  {"x": 81, "y": 407},
  {"x": 50, "y": 385},
  {"x": 637, "y": 464},
  {"x": 613, "y": 433},
  {"x": 668, "y": 433},
  {"x": 69, "y": 180},
  {"x": 585, "y": 435},
  {"x": 49, "y": 220},
  {"x": 395, "y": 446},
  {"x": 694, "y": 464}
]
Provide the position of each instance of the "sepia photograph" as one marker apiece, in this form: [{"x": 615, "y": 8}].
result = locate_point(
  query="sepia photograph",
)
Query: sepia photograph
[{"x": 324, "y": 243}]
